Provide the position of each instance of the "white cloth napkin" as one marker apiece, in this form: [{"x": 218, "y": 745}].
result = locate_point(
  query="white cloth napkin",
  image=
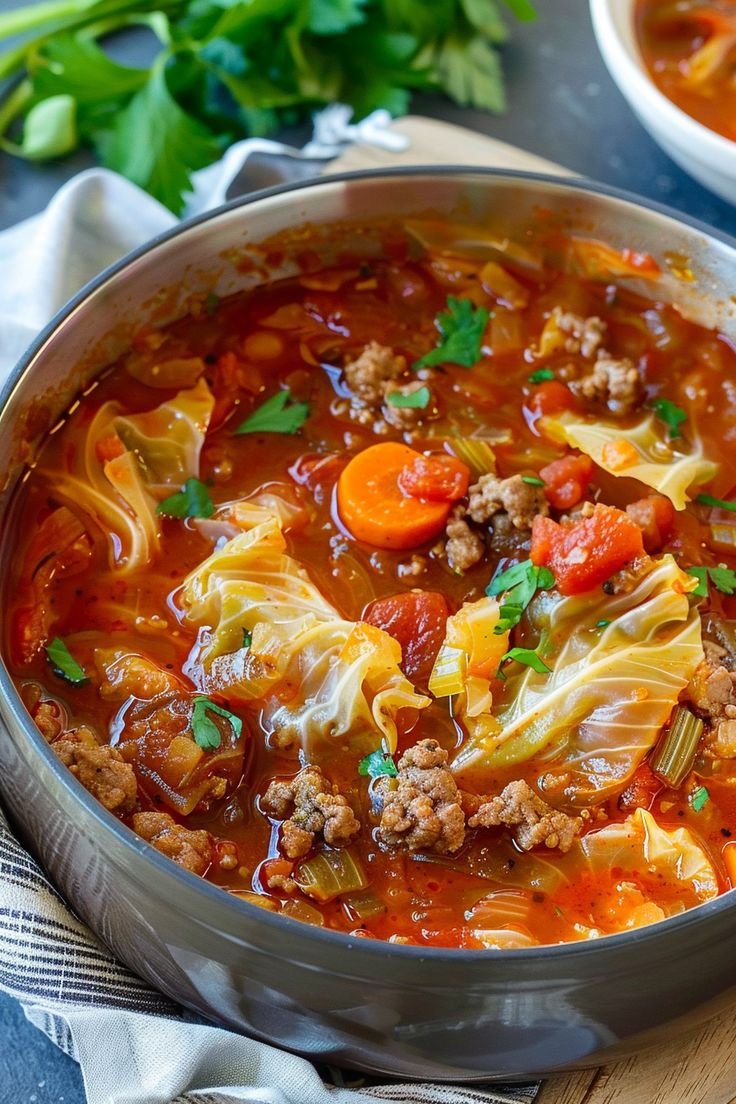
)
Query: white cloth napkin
[{"x": 133, "y": 1045}]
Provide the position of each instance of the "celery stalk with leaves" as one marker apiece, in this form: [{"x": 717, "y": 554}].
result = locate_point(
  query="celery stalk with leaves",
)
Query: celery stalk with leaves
[{"x": 230, "y": 68}]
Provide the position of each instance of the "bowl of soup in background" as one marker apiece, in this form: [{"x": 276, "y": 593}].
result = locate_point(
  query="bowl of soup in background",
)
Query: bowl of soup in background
[
  {"x": 410, "y": 1011},
  {"x": 708, "y": 156}
]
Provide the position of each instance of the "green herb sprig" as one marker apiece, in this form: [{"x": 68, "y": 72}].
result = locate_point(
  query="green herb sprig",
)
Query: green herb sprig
[
  {"x": 205, "y": 731},
  {"x": 279, "y": 414},
  {"x": 376, "y": 765},
  {"x": 520, "y": 583},
  {"x": 192, "y": 501},
  {"x": 230, "y": 68},
  {"x": 461, "y": 329},
  {"x": 64, "y": 664}
]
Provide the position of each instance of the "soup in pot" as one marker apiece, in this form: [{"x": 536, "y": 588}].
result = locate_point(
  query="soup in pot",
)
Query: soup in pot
[{"x": 398, "y": 597}]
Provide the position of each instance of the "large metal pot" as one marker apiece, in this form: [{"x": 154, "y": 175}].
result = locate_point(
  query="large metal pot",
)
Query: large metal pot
[{"x": 400, "y": 1010}]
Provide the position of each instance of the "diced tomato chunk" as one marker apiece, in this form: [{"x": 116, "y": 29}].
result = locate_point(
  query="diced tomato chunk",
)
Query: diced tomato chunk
[
  {"x": 655, "y": 516},
  {"x": 552, "y": 397},
  {"x": 417, "y": 619},
  {"x": 109, "y": 448},
  {"x": 582, "y": 554},
  {"x": 435, "y": 478},
  {"x": 566, "y": 480},
  {"x": 641, "y": 790}
]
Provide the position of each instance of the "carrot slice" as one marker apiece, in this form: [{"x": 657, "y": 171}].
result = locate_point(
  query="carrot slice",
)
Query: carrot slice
[{"x": 373, "y": 507}]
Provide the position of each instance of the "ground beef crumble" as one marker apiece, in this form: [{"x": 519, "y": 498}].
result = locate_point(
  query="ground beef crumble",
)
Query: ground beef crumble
[
  {"x": 371, "y": 378},
  {"x": 713, "y": 693},
  {"x": 521, "y": 501},
  {"x": 309, "y": 806},
  {"x": 421, "y": 808},
  {"x": 464, "y": 547},
  {"x": 614, "y": 381},
  {"x": 584, "y": 335},
  {"x": 533, "y": 821},
  {"x": 190, "y": 848},
  {"x": 100, "y": 768}
]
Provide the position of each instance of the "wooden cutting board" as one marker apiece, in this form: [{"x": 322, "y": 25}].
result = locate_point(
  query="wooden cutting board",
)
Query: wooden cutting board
[{"x": 699, "y": 1068}]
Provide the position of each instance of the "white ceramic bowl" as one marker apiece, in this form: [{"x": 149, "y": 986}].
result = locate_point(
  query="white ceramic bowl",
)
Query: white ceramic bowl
[{"x": 709, "y": 157}]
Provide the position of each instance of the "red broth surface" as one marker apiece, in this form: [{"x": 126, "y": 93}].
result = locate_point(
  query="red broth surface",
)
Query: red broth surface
[
  {"x": 690, "y": 51},
  {"x": 544, "y": 797}
]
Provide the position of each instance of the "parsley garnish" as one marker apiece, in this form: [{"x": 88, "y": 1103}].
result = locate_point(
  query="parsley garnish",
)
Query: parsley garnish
[
  {"x": 279, "y": 414},
  {"x": 377, "y": 764},
  {"x": 63, "y": 662},
  {"x": 247, "y": 638},
  {"x": 206, "y": 733},
  {"x": 699, "y": 798},
  {"x": 708, "y": 500},
  {"x": 415, "y": 400},
  {"x": 672, "y": 416},
  {"x": 528, "y": 656},
  {"x": 602, "y": 623},
  {"x": 541, "y": 375},
  {"x": 722, "y": 578},
  {"x": 533, "y": 480},
  {"x": 192, "y": 501},
  {"x": 521, "y": 582},
  {"x": 461, "y": 328},
  {"x": 211, "y": 303}
]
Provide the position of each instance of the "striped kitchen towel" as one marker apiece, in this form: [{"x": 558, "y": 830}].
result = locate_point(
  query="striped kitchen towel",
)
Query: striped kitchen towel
[{"x": 134, "y": 1045}]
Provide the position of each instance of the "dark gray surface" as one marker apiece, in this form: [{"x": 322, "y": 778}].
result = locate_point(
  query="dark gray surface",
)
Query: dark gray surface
[{"x": 563, "y": 106}]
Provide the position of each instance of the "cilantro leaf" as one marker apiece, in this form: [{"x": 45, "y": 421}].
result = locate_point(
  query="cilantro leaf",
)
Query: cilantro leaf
[
  {"x": 377, "y": 764},
  {"x": 461, "y": 328},
  {"x": 469, "y": 70},
  {"x": 415, "y": 400},
  {"x": 541, "y": 375},
  {"x": 520, "y": 582},
  {"x": 328, "y": 17},
  {"x": 63, "y": 662},
  {"x": 528, "y": 657},
  {"x": 205, "y": 731},
  {"x": 533, "y": 481},
  {"x": 722, "y": 578},
  {"x": 158, "y": 145},
  {"x": 279, "y": 414},
  {"x": 192, "y": 501},
  {"x": 701, "y": 574},
  {"x": 699, "y": 798},
  {"x": 672, "y": 416},
  {"x": 719, "y": 503},
  {"x": 524, "y": 10},
  {"x": 485, "y": 16},
  {"x": 74, "y": 65}
]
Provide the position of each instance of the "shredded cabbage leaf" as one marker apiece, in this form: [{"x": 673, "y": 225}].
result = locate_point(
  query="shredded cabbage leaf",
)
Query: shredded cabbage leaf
[
  {"x": 321, "y": 676},
  {"x": 618, "y": 665},
  {"x": 161, "y": 451},
  {"x": 655, "y": 461},
  {"x": 659, "y": 858},
  {"x": 168, "y": 439}
]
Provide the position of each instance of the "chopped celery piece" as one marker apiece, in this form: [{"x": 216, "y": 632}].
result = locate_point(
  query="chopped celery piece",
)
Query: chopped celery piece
[
  {"x": 365, "y": 904},
  {"x": 448, "y": 673},
  {"x": 329, "y": 874},
  {"x": 675, "y": 753}
]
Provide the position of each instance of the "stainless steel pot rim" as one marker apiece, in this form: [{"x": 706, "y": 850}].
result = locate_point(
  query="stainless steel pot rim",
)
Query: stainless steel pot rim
[{"x": 169, "y": 871}]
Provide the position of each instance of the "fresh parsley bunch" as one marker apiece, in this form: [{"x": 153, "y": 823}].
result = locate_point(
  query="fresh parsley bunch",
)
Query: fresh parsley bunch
[{"x": 227, "y": 68}]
